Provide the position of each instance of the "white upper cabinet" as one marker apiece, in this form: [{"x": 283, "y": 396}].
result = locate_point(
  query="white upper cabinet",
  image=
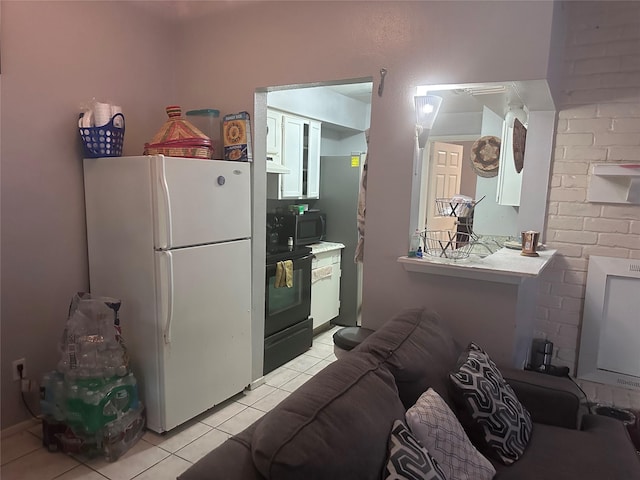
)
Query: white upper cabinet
[
  {"x": 274, "y": 142},
  {"x": 312, "y": 182},
  {"x": 299, "y": 154},
  {"x": 509, "y": 174},
  {"x": 292, "y": 155},
  {"x": 274, "y": 133}
]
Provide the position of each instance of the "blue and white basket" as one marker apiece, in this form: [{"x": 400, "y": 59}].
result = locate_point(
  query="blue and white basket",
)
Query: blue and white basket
[{"x": 104, "y": 141}]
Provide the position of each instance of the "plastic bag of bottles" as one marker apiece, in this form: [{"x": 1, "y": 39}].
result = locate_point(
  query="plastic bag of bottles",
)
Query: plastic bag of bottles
[
  {"x": 91, "y": 345},
  {"x": 90, "y": 403}
]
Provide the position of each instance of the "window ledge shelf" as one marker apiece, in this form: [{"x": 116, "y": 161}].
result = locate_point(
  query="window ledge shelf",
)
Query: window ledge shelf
[
  {"x": 617, "y": 170},
  {"x": 503, "y": 266},
  {"x": 615, "y": 183}
]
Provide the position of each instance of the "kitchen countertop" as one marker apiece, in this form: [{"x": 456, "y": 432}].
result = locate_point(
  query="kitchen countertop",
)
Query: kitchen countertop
[
  {"x": 503, "y": 266},
  {"x": 322, "y": 247}
]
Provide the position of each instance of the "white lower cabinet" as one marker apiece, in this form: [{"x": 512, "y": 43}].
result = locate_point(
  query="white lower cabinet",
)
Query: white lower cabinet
[{"x": 325, "y": 286}]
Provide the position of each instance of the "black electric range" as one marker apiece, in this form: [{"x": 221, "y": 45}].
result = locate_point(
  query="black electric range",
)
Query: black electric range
[
  {"x": 288, "y": 328},
  {"x": 280, "y": 253}
]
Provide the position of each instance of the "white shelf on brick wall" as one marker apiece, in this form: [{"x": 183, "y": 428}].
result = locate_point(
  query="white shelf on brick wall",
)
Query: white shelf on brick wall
[{"x": 615, "y": 183}]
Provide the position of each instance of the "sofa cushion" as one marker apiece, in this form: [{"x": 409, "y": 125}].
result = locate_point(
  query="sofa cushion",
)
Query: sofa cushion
[
  {"x": 437, "y": 428},
  {"x": 489, "y": 408},
  {"x": 408, "y": 459},
  {"x": 550, "y": 400},
  {"x": 335, "y": 426},
  {"x": 601, "y": 451},
  {"x": 419, "y": 350}
]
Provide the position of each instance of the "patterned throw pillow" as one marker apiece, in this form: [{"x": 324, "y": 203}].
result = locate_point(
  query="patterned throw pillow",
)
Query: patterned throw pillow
[
  {"x": 437, "y": 428},
  {"x": 490, "y": 410},
  {"x": 408, "y": 460}
]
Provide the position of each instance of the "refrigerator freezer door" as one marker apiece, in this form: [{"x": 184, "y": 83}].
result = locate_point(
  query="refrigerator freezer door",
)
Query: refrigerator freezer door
[
  {"x": 200, "y": 201},
  {"x": 205, "y": 320}
]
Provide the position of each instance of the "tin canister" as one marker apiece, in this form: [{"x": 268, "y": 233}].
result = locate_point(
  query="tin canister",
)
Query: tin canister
[{"x": 530, "y": 243}]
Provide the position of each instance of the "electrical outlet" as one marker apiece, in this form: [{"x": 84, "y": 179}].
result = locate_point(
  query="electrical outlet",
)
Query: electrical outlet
[{"x": 16, "y": 374}]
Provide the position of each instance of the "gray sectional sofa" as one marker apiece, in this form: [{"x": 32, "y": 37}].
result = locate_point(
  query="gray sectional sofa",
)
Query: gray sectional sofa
[{"x": 336, "y": 426}]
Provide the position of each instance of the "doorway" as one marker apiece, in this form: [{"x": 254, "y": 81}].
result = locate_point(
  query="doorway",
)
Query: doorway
[
  {"x": 445, "y": 186},
  {"x": 445, "y": 172},
  {"x": 343, "y": 111}
]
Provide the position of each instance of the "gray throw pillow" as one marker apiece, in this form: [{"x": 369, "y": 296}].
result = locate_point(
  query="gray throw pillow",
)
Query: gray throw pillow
[
  {"x": 489, "y": 409},
  {"x": 437, "y": 428},
  {"x": 408, "y": 459}
]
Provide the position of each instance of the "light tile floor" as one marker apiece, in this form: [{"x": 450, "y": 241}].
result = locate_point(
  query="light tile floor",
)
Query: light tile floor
[{"x": 164, "y": 457}]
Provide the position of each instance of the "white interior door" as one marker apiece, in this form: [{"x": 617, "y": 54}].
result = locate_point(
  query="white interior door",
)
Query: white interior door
[
  {"x": 445, "y": 170},
  {"x": 206, "y": 327},
  {"x": 200, "y": 201}
]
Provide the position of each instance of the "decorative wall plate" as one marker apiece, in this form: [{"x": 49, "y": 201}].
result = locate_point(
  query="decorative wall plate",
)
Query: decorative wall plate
[
  {"x": 485, "y": 156},
  {"x": 519, "y": 141}
]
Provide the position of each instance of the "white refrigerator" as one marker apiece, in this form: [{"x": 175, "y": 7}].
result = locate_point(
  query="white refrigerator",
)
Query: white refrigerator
[{"x": 171, "y": 238}]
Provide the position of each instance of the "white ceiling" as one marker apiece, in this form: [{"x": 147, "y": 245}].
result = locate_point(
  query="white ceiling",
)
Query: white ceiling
[
  {"x": 358, "y": 91},
  {"x": 534, "y": 94}
]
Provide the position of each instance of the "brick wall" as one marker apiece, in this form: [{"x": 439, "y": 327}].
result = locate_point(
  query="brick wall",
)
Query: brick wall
[{"x": 599, "y": 122}]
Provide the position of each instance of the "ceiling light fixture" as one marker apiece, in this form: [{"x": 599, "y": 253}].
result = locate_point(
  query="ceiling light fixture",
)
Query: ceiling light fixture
[{"x": 427, "y": 107}]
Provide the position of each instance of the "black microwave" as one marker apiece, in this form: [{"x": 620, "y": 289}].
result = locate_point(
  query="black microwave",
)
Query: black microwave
[{"x": 305, "y": 229}]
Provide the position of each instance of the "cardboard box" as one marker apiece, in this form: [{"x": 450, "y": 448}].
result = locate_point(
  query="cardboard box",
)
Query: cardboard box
[{"x": 236, "y": 132}]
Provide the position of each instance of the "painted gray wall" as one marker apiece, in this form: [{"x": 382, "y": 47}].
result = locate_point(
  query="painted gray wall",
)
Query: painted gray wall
[
  {"x": 56, "y": 55},
  {"x": 150, "y": 62},
  {"x": 365, "y": 37}
]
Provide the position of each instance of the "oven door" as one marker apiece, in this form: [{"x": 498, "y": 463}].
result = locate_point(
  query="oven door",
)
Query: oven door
[{"x": 286, "y": 306}]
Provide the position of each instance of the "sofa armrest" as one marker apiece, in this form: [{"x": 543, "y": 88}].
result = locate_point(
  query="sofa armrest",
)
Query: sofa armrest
[{"x": 551, "y": 400}]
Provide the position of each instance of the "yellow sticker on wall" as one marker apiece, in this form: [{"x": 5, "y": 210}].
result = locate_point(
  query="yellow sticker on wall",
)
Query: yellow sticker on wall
[{"x": 355, "y": 160}]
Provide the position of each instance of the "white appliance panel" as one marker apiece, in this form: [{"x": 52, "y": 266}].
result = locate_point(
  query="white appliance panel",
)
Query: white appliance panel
[
  {"x": 209, "y": 357},
  {"x": 620, "y": 327},
  {"x": 204, "y": 297},
  {"x": 610, "y": 326},
  {"x": 119, "y": 219},
  {"x": 200, "y": 201}
]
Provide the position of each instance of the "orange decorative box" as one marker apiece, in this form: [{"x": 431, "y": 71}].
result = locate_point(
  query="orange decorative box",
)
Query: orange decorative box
[{"x": 179, "y": 138}]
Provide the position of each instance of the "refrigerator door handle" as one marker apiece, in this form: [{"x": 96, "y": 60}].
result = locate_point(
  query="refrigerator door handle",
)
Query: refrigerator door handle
[
  {"x": 164, "y": 207},
  {"x": 167, "y": 325}
]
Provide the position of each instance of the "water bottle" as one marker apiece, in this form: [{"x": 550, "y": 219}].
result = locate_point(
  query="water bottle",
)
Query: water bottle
[
  {"x": 52, "y": 395},
  {"x": 74, "y": 408},
  {"x": 415, "y": 244},
  {"x": 46, "y": 395},
  {"x": 60, "y": 397},
  {"x": 120, "y": 434}
]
